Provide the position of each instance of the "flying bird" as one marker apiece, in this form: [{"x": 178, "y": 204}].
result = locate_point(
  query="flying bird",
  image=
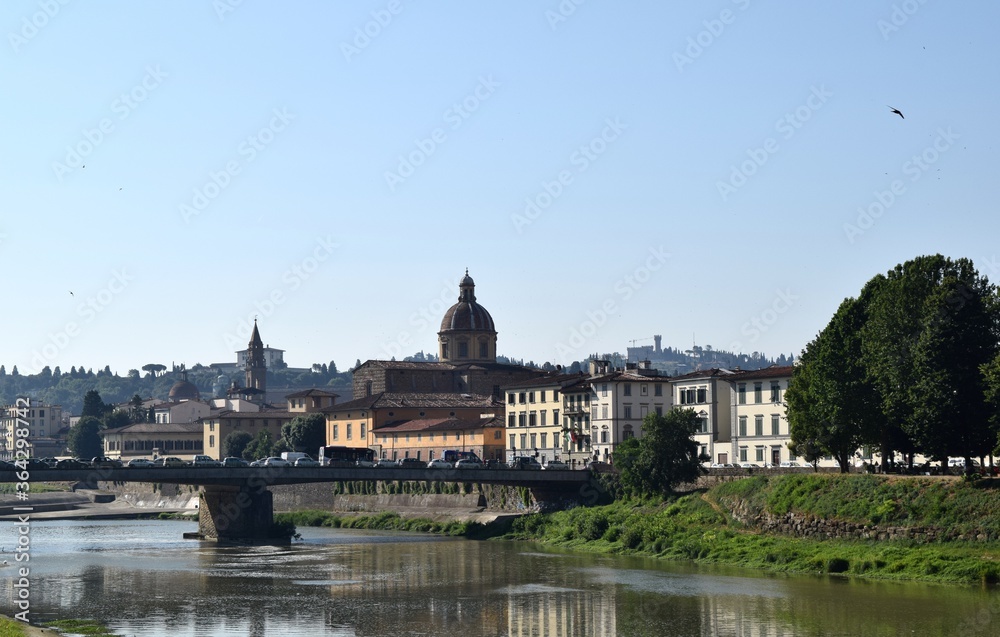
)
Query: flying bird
[{"x": 896, "y": 111}]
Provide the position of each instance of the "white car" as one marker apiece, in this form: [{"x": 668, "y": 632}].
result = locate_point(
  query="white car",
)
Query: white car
[
  {"x": 205, "y": 461},
  {"x": 553, "y": 465},
  {"x": 468, "y": 463},
  {"x": 306, "y": 462},
  {"x": 140, "y": 463},
  {"x": 275, "y": 461},
  {"x": 440, "y": 463}
]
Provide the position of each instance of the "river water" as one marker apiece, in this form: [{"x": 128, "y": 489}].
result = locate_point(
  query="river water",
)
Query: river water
[{"x": 141, "y": 578}]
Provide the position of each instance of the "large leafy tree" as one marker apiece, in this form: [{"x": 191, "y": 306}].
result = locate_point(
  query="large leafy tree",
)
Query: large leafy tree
[
  {"x": 260, "y": 447},
  {"x": 236, "y": 443},
  {"x": 84, "y": 438},
  {"x": 93, "y": 405},
  {"x": 832, "y": 408},
  {"x": 959, "y": 338},
  {"x": 305, "y": 433},
  {"x": 666, "y": 455},
  {"x": 932, "y": 326}
]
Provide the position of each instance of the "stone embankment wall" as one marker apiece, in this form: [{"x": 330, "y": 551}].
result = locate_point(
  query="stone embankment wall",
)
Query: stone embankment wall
[
  {"x": 798, "y": 525},
  {"x": 145, "y": 495},
  {"x": 415, "y": 496}
]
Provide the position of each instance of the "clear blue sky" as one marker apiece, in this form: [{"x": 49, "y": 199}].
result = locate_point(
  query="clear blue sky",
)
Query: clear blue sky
[{"x": 697, "y": 170}]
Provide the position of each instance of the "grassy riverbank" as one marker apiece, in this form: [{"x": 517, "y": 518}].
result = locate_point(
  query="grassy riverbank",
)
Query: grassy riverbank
[
  {"x": 381, "y": 521},
  {"x": 699, "y": 527}
]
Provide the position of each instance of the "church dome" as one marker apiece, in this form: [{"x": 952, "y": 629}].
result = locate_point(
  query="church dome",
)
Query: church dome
[
  {"x": 184, "y": 390},
  {"x": 467, "y": 314}
]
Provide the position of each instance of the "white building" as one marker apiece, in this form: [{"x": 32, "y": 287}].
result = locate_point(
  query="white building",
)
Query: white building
[
  {"x": 619, "y": 401},
  {"x": 709, "y": 394},
  {"x": 761, "y": 434}
]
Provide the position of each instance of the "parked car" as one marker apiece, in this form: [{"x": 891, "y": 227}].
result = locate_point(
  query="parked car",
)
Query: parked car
[
  {"x": 258, "y": 463},
  {"x": 170, "y": 461},
  {"x": 555, "y": 465},
  {"x": 385, "y": 463},
  {"x": 789, "y": 464},
  {"x": 205, "y": 461},
  {"x": 365, "y": 463},
  {"x": 233, "y": 461},
  {"x": 306, "y": 462},
  {"x": 468, "y": 463},
  {"x": 440, "y": 463},
  {"x": 140, "y": 463},
  {"x": 50, "y": 461},
  {"x": 723, "y": 465},
  {"x": 72, "y": 463},
  {"x": 523, "y": 462},
  {"x": 749, "y": 465},
  {"x": 100, "y": 462},
  {"x": 275, "y": 461},
  {"x": 410, "y": 463},
  {"x": 31, "y": 464}
]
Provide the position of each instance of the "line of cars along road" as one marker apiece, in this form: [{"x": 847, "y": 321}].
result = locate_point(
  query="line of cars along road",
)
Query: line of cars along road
[{"x": 287, "y": 460}]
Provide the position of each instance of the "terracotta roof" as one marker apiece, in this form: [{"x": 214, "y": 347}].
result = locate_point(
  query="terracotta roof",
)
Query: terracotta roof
[
  {"x": 774, "y": 371},
  {"x": 715, "y": 372},
  {"x": 387, "y": 400},
  {"x": 264, "y": 413},
  {"x": 313, "y": 392}
]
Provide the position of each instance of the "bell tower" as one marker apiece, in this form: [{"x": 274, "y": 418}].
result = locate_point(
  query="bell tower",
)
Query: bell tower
[{"x": 256, "y": 370}]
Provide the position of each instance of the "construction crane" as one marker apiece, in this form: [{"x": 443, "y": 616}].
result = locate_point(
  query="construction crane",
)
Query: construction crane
[{"x": 640, "y": 340}]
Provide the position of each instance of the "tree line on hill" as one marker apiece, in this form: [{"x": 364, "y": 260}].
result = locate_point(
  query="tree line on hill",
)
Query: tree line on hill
[{"x": 909, "y": 366}]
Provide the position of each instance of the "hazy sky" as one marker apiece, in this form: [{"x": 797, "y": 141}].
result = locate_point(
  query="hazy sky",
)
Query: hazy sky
[{"x": 725, "y": 172}]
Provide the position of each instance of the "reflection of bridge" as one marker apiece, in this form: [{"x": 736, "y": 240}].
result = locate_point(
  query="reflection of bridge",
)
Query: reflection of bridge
[{"x": 236, "y": 505}]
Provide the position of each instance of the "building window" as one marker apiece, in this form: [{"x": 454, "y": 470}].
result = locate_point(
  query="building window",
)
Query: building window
[
  {"x": 627, "y": 433},
  {"x": 643, "y": 410},
  {"x": 702, "y": 425},
  {"x": 758, "y": 391},
  {"x": 510, "y": 399},
  {"x": 741, "y": 393},
  {"x": 628, "y": 411},
  {"x": 534, "y": 443},
  {"x": 364, "y": 430},
  {"x": 510, "y": 420},
  {"x": 775, "y": 392},
  {"x": 775, "y": 425},
  {"x": 743, "y": 426},
  {"x": 521, "y": 398},
  {"x": 541, "y": 396},
  {"x": 643, "y": 390},
  {"x": 702, "y": 395},
  {"x": 628, "y": 389},
  {"x": 532, "y": 420},
  {"x": 760, "y": 454},
  {"x": 483, "y": 350},
  {"x": 497, "y": 435},
  {"x": 658, "y": 389},
  {"x": 743, "y": 454},
  {"x": 336, "y": 432},
  {"x": 524, "y": 441},
  {"x": 543, "y": 423},
  {"x": 349, "y": 432},
  {"x": 659, "y": 410},
  {"x": 520, "y": 420},
  {"x": 604, "y": 411},
  {"x": 512, "y": 447},
  {"x": 604, "y": 389},
  {"x": 555, "y": 416},
  {"x": 758, "y": 425},
  {"x": 604, "y": 436},
  {"x": 463, "y": 349},
  {"x": 211, "y": 442},
  {"x": 531, "y": 396}
]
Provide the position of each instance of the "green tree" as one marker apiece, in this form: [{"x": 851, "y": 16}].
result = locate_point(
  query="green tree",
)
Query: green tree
[
  {"x": 84, "y": 439},
  {"x": 959, "y": 337},
  {"x": 236, "y": 443},
  {"x": 93, "y": 405},
  {"x": 117, "y": 418},
  {"x": 666, "y": 455},
  {"x": 305, "y": 433},
  {"x": 260, "y": 447},
  {"x": 832, "y": 407}
]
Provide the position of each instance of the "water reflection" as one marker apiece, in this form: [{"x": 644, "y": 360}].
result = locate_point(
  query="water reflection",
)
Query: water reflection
[{"x": 140, "y": 578}]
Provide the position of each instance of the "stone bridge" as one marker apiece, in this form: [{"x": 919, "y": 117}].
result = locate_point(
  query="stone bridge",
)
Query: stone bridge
[{"x": 236, "y": 504}]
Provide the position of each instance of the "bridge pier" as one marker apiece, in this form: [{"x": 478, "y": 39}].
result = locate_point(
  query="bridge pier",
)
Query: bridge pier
[{"x": 236, "y": 514}]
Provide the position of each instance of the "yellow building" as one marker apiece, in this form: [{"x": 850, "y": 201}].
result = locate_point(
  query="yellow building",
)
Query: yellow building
[
  {"x": 355, "y": 423},
  {"x": 153, "y": 440},
  {"x": 428, "y": 438}
]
